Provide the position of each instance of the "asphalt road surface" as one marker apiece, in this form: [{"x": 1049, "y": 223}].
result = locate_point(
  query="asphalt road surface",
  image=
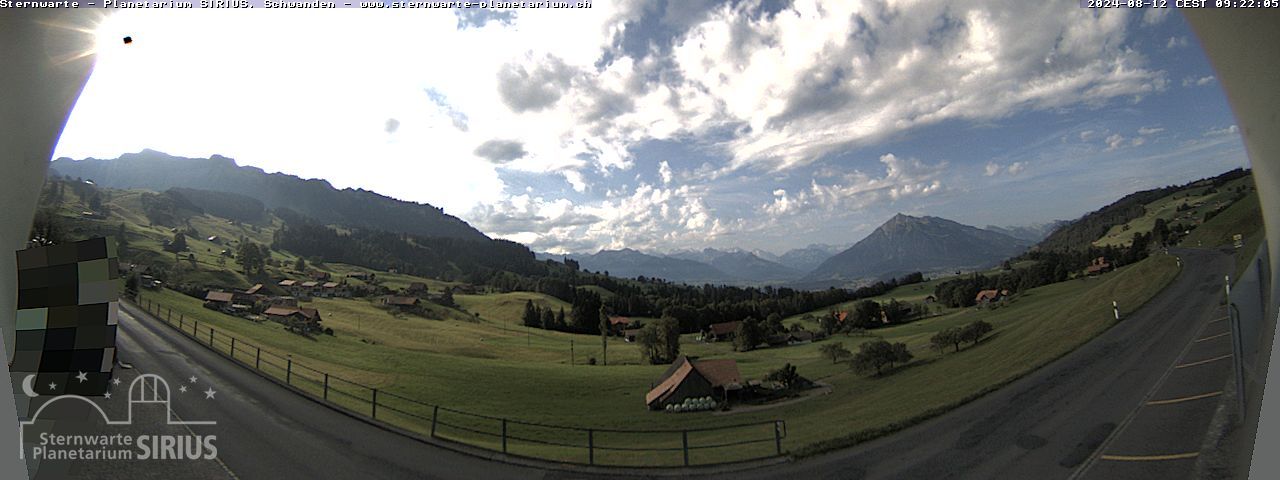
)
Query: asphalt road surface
[{"x": 1136, "y": 391}]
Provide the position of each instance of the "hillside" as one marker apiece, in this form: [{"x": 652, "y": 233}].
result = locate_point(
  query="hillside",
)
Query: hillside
[
  {"x": 1082, "y": 233},
  {"x": 906, "y": 244},
  {"x": 318, "y": 199}
]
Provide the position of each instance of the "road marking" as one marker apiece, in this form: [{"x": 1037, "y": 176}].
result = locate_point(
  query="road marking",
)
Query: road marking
[
  {"x": 1216, "y": 320},
  {"x": 1150, "y": 458},
  {"x": 1185, "y": 399},
  {"x": 1205, "y": 339},
  {"x": 1202, "y": 362}
]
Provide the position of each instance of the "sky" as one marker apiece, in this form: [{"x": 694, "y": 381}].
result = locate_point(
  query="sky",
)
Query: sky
[{"x": 667, "y": 125}]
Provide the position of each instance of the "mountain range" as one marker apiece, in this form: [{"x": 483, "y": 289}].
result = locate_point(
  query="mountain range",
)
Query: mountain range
[{"x": 314, "y": 198}]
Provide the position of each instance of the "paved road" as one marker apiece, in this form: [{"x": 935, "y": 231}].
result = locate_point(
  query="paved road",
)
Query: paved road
[
  {"x": 1046, "y": 425},
  {"x": 1049, "y": 424}
]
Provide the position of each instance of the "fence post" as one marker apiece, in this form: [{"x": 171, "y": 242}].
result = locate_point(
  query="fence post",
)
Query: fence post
[
  {"x": 179, "y": 323},
  {"x": 375, "y": 403},
  {"x": 288, "y": 372},
  {"x": 684, "y": 438},
  {"x": 168, "y": 317},
  {"x": 326, "y": 386},
  {"x": 777, "y": 437},
  {"x": 435, "y": 414},
  {"x": 591, "y": 447},
  {"x": 504, "y": 435},
  {"x": 180, "y": 317},
  {"x": 211, "y": 339},
  {"x": 257, "y": 360},
  {"x": 195, "y": 327},
  {"x": 233, "y": 348}
]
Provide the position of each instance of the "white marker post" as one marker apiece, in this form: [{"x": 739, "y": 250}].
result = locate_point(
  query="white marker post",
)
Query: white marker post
[{"x": 1115, "y": 307}]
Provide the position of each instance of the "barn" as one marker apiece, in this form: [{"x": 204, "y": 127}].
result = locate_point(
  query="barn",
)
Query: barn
[{"x": 692, "y": 378}]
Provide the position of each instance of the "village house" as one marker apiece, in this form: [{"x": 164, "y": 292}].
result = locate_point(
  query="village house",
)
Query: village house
[
  {"x": 1098, "y": 266},
  {"x": 301, "y": 320},
  {"x": 990, "y": 296},
  {"x": 631, "y": 334},
  {"x": 319, "y": 276},
  {"x": 717, "y": 332},
  {"x": 403, "y": 304},
  {"x": 333, "y": 289},
  {"x": 416, "y": 288},
  {"x": 692, "y": 378},
  {"x": 618, "y": 324},
  {"x": 801, "y": 337},
  {"x": 220, "y": 301}
]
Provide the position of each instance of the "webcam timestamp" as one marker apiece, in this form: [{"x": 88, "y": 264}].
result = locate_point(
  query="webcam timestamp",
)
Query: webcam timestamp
[{"x": 1180, "y": 3}]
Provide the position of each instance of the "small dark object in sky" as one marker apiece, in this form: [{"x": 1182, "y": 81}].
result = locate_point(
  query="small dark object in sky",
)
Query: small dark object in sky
[{"x": 128, "y": 40}]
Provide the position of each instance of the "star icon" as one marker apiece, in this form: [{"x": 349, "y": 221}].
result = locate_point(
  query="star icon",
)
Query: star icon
[
  {"x": 107, "y": 395},
  {"x": 116, "y": 381},
  {"x": 208, "y": 394},
  {"x": 53, "y": 386},
  {"x": 193, "y": 379},
  {"x": 182, "y": 388},
  {"x": 82, "y": 377}
]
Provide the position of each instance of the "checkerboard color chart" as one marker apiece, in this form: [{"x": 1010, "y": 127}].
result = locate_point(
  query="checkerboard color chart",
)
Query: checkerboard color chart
[{"x": 67, "y": 311}]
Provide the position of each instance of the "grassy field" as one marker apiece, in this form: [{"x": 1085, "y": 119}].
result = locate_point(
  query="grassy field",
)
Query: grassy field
[{"x": 489, "y": 366}]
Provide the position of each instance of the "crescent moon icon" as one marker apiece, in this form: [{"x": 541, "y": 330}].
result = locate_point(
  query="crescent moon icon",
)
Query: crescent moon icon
[{"x": 26, "y": 386}]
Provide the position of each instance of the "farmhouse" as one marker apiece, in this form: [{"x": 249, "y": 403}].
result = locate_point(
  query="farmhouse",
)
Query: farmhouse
[
  {"x": 631, "y": 334},
  {"x": 254, "y": 289},
  {"x": 319, "y": 276},
  {"x": 720, "y": 331},
  {"x": 990, "y": 296},
  {"x": 403, "y": 304},
  {"x": 221, "y": 301},
  {"x": 691, "y": 378},
  {"x": 416, "y": 288},
  {"x": 801, "y": 337},
  {"x": 301, "y": 320},
  {"x": 1098, "y": 266},
  {"x": 618, "y": 324}
]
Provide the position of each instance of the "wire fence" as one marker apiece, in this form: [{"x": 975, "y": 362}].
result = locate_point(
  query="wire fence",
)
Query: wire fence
[{"x": 542, "y": 441}]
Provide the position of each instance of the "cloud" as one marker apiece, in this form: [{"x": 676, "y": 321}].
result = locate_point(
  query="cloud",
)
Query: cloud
[
  {"x": 458, "y": 118},
  {"x": 501, "y": 151},
  {"x": 535, "y": 87},
  {"x": 645, "y": 217},
  {"x": 1144, "y": 131},
  {"x": 479, "y": 17},
  {"x": 1198, "y": 82},
  {"x": 789, "y": 84},
  {"x": 1153, "y": 16},
  {"x": 391, "y": 126},
  {"x": 1087, "y": 135},
  {"x": 1176, "y": 42},
  {"x": 992, "y": 169},
  {"x": 1017, "y": 167},
  {"x": 1228, "y": 130},
  {"x": 664, "y": 171},
  {"x": 903, "y": 178},
  {"x": 1114, "y": 142}
]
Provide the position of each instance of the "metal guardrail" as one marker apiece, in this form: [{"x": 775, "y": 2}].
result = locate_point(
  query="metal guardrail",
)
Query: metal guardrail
[{"x": 541, "y": 441}]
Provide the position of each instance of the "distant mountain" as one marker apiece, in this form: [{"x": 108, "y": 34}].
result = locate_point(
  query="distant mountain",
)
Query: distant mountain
[
  {"x": 906, "y": 244},
  {"x": 317, "y": 199},
  {"x": 808, "y": 258},
  {"x": 740, "y": 265},
  {"x": 629, "y": 263},
  {"x": 1031, "y": 233}
]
